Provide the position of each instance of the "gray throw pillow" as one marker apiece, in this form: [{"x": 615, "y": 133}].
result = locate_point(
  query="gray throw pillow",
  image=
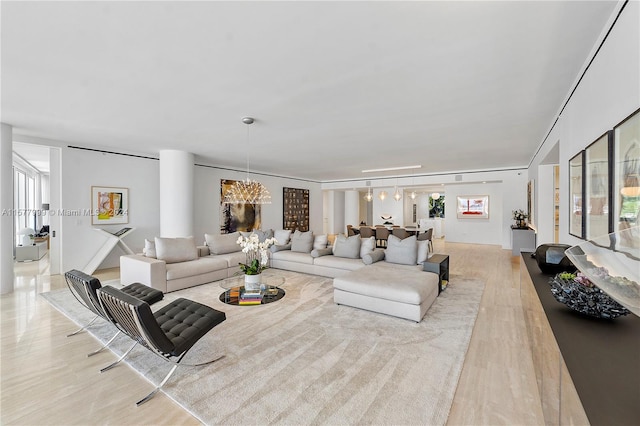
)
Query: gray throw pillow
[
  {"x": 373, "y": 257},
  {"x": 348, "y": 247},
  {"x": 404, "y": 252},
  {"x": 262, "y": 235},
  {"x": 174, "y": 250},
  {"x": 223, "y": 243},
  {"x": 302, "y": 242},
  {"x": 282, "y": 236}
]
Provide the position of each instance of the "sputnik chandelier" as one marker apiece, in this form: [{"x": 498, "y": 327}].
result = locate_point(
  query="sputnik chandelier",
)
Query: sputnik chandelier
[{"x": 247, "y": 191}]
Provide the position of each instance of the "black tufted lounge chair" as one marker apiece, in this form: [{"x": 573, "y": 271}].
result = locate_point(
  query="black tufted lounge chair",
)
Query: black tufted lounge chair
[
  {"x": 170, "y": 332},
  {"x": 84, "y": 287}
]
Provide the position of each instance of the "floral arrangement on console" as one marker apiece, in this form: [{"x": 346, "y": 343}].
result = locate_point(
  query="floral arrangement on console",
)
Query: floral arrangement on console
[
  {"x": 520, "y": 217},
  {"x": 256, "y": 251}
]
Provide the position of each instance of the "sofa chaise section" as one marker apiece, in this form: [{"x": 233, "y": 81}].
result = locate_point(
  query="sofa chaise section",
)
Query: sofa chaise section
[{"x": 398, "y": 290}]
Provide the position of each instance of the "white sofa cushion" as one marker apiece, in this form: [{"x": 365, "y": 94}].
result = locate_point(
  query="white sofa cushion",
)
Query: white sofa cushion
[
  {"x": 367, "y": 245},
  {"x": 223, "y": 243},
  {"x": 173, "y": 250},
  {"x": 411, "y": 286},
  {"x": 348, "y": 247},
  {"x": 200, "y": 266},
  {"x": 302, "y": 242},
  {"x": 233, "y": 259},
  {"x": 293, "y": 256},
  {"x": 404, "y": 252},
  {"x": 338, "y": 262}
]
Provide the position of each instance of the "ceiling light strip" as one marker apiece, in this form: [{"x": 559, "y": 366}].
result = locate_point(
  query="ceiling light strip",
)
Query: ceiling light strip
[{"x": 388, "y": 169}]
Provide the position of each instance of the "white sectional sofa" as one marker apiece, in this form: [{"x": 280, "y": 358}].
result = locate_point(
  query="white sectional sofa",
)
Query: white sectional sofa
[
  {"x": 386, "y": 281},
  {"x": 171, "y": 264}
]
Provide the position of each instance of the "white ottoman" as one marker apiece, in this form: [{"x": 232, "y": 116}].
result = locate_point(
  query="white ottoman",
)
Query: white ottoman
[{"x": 398, "y": 290}]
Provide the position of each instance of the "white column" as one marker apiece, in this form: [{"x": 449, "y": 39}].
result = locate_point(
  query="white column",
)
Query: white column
[
  {"x": 351, "y": 208},
  {"x": 176, "y": 193},
  {"x": 6, "y": 207}
]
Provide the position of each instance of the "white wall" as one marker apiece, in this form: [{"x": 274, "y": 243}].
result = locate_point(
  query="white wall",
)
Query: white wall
[
  {"x": 507, "y": 191},
  {"x": 608, "y": 93},
  {"x": 83, "y": 169}
]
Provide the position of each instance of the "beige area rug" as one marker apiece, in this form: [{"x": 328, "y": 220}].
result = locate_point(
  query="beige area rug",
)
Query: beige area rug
[{"x": 306, "y": 360}]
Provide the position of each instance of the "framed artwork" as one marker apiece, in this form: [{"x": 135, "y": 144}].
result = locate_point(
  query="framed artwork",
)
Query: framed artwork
[
  {"x": 237, "y": 217},
  {"x": 626, "y": 173},
  {"x": 576, "y": 191},
  {"x": 473, "y": 207},
  {"x": 295, "y": 209},
  {"x": 597, "y": 187},
  {"x": 110, "y": 205}
]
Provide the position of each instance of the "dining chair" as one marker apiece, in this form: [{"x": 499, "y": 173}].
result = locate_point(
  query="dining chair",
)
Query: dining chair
[
  {"x": 400, "y": 233},
  {"x": 382, "y": 234},
  {"x": 366, "y": 232},
  {"x": 350, "y": 231}
]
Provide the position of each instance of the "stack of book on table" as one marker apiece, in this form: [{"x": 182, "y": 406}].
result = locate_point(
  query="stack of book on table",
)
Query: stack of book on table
[{"x": 250, "y": 297}]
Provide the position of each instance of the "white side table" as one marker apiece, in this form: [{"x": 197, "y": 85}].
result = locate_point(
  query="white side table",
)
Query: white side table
[{"x": 33, "y": 252}]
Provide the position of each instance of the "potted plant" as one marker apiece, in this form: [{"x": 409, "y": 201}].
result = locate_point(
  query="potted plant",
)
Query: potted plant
[
  {"x": 520, "y": 217},
  {"x": 257, "y": 259}
]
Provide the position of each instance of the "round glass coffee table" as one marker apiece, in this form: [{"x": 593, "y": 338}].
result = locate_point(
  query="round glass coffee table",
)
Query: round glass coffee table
[{"x": 235, "y": 293}]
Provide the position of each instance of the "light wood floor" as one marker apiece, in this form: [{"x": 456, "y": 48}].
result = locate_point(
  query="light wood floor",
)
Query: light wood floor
[{"x": 46, "y": 378}]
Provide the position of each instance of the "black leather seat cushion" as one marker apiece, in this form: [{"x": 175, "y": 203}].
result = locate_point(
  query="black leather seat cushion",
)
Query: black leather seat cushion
[
  {"x": 143, "y": 292},
  {"x": 185, "y": 321}
]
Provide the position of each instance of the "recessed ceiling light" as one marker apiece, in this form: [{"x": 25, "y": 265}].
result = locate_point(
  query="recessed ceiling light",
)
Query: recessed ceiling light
[{"x": 388, "y": 169}]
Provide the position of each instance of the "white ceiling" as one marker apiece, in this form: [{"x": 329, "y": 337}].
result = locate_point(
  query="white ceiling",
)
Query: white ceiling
[{"x": 335, "y": 87}]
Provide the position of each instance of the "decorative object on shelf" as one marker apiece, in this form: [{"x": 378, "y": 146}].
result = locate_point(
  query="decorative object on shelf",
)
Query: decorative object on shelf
[
  {"x": 295, "y": 209},
  {"x": 612, "y": 263},
  {"x": 580, "y": 294},
  {"x": 473, "y": 207},
  {"x": 247, "y": 191},
  {"x": 257, "y": 259},
  {"x": 520, "y": 217},
  {"x": 237, "y": 217},
  {"x": 551, "y": 258},
  {"x": 110, "y": 205}
]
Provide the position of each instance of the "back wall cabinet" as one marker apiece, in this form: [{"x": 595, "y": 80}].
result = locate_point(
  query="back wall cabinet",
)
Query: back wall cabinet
[{"x": 295, "y": 208}]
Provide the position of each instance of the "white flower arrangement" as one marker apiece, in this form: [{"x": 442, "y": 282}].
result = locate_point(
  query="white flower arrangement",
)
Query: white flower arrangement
[{"x": 256, "y": 251}]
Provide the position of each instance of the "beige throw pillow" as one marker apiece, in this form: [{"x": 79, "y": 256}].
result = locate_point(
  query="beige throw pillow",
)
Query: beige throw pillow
[
  {"x": 174, "y": 250},
  {"x": 302, "y": 242},
  {"x": 404, "y": 252},
  {"x": 223, "y": 243},
  {"x": 348, "y": 247}
]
